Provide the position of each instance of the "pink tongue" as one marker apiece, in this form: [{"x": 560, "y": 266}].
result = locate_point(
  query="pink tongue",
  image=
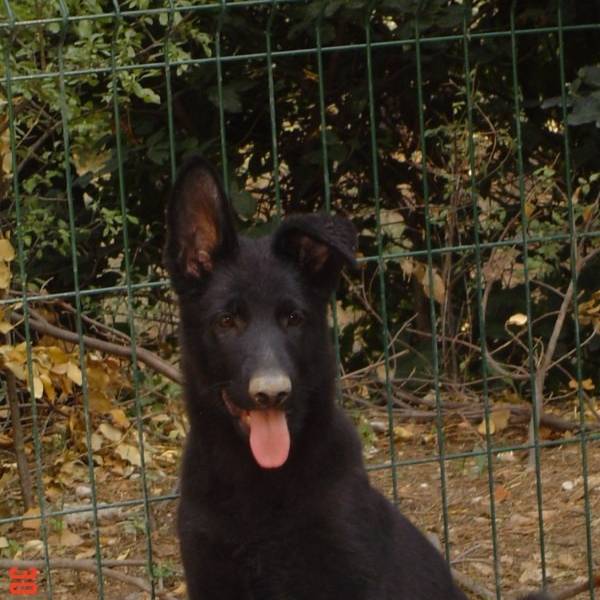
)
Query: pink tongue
[{"x": 269, "y": 437}]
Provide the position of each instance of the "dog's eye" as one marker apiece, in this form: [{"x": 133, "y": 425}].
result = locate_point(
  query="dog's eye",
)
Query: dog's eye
[
  {"x": 226, "y": 321},
  {"x": 294, "y": 319}
]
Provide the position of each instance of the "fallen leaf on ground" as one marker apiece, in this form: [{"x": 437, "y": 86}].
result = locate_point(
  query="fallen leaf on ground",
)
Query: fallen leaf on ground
[
  {"x": 129, "y": 453},
  {"x": 70, "y": 539},
  {"x": 32, "y": 523},
  {"x": 501, "y": 493}
]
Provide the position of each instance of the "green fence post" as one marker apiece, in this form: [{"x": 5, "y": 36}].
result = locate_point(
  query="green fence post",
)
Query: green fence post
[
  {"x": 64, "y": 112},
  {"x": 9, "y": 34},
  {"x": 130, "y": 297},
  {"x": 534, "y": 425},
  {"x": 432, "y": 310},
  {"x": 481, "y": 318},
  {"x": 381, "y": 262},
  {"x": 574, "y": 263},
  {"x": 327, "y": 186}
]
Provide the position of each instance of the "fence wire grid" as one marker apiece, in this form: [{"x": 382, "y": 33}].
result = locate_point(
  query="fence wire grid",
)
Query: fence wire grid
[{"x": 462, "y": 138}]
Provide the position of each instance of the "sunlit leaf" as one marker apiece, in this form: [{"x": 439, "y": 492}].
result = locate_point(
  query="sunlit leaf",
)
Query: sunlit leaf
[
  {"x": 7, "y": 252},
  {"x": 518, "y": 319},
  {"x": 74, "y": 373},
  {"x": 109, "y": 432},
  {"x": 129, "y": 453}
]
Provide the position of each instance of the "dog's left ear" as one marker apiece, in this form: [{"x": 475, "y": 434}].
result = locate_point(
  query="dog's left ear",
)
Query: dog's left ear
[{"x": 319, "y": 244}]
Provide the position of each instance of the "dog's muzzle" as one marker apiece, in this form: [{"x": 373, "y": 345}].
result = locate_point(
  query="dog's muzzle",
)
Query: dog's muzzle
[{"x": 269, "y": 389}]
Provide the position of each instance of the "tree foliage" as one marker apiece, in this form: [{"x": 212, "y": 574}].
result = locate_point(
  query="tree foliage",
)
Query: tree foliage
[{"x": 475, "y": 180}]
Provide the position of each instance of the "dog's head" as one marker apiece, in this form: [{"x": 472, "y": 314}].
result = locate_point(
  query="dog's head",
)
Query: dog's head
[{"x": 253, "y": 312}]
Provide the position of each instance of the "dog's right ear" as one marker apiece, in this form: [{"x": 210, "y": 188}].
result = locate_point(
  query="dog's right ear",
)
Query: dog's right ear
[{"x": 200, "y": 228}]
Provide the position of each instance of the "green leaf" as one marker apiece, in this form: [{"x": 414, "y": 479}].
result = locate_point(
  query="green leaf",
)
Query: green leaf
[
  {"x": 591, "y": 75},
  {"x": 146, "y": 94},
  {"x": 243, "y": 203},
  {"x": 231, "y": 99},
  {"x": 585, "y": 110}
]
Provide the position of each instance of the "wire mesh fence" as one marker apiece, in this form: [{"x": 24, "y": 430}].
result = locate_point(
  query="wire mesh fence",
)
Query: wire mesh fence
[{"x": 461, "y": 138}]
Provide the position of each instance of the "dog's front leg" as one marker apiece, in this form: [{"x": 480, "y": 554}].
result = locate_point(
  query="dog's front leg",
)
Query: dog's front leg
[{"x": 209, "y": 570}]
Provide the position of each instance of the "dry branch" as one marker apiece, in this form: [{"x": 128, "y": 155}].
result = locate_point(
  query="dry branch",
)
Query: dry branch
[
  {"x": 18, "y": 441},
  {"x": 18, "y": 436},
  {"x": 564, "y": 593},
  {"x": 474, "y": 587},
  {"x": 477, "y": 411},
  {"x": 142, "y": 354},
  {"x": 92, "y": 567}
]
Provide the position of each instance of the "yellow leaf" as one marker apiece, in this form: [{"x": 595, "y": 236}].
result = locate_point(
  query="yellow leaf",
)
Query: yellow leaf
[
  {"x": 119, "y": 418},
  {"x": 380, "y": 372},
  {"x": 498, "y": 421},
  {"x": 403, "y": 433},
  {"x": 4, "y": 276},
  {"x": 38, "y": 388},
  {"x": 99, "y": 401},
  {"x": 97, "y": 378},
  {"x": 501, "y": 493},
  {"x": 529, "y": 209},
  {"x": 58, "y": 355},
  {"x": 32, "y": 523},
  {"x": 68, "y": 538},
  {"x": 66, "y": 386},
  {"x": 74, "y": 373},
  {"x": 439, "y": 289},
  {"x": 180, "y": 590},
  {"x": 96, "y": 442},
  {"x": 588, "y": 213},
  {"x": 481, "y": 427},
  {"x": 35, "y": 547},
  {"x": 109, "y": 432},
  {"x": 7, "y": 252},
  {"x": 407, "y": 265},
  {"x": 500, "y": 418},
  {"x": 129, "y": 453},
  {"x": 48, "y": 387},
  {"x": 587, "y": 385},
  {"x": 87, "y": 553},
  {"x": 16, "y": 369},
  {"x": 5, "y": 327},
  {"x": 311, "y": 75},
  {"x": 60, "y": 368},
  {"x": 518, "y": 319}
]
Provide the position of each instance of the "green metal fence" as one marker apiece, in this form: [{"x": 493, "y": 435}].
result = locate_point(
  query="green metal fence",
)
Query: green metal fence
[{"x": 49, "y": 61}]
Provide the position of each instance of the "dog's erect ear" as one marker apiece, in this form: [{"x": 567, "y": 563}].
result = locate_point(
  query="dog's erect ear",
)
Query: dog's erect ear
[
  {"x": 319, "y": 245},
  {"x": 200, "y": 226}
]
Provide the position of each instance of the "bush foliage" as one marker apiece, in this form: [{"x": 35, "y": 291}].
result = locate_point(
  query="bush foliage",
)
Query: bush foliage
[{"x": 478, "y": 189}]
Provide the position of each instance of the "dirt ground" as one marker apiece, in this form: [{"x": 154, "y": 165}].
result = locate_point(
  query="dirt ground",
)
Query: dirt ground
[
  {"x": 123, "y": 534},
  {"x": 517, "y": 530}
]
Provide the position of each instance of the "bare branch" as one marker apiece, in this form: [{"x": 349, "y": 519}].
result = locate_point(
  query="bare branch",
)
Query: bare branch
[
  {"x": 144, "y": 356},
  {"x": 90, "y": 566}
]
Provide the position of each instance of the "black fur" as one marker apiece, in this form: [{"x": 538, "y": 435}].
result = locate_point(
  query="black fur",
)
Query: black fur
[{"x": 314, "y": 528}]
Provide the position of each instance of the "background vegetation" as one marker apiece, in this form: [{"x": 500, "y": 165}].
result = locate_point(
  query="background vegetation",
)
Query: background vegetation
[
  {"x": 486, "y": 184},
  {"x": 500, "y": 162}
]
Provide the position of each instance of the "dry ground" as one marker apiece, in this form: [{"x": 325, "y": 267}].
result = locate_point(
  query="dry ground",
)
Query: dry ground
[{"x": 123, "y": 535}]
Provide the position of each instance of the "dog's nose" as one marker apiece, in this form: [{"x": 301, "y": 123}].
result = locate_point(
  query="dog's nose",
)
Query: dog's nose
[{"x": 269, "y": 388}]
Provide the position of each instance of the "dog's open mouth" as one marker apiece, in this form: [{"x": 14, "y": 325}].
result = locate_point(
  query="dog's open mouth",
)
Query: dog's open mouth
[{"x": 268, "y": 433}]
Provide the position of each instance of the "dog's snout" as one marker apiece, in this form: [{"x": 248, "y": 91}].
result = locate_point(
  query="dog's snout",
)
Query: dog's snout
[{"x": 269, "y": 388}]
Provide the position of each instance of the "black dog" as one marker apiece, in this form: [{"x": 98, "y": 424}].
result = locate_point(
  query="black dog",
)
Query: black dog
[{"x": 275, "y": 500}]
